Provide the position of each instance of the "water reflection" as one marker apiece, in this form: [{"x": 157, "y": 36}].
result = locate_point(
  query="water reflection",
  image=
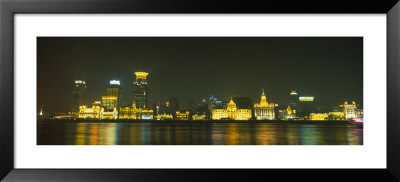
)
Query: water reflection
[{"x": 84, "y": 133}]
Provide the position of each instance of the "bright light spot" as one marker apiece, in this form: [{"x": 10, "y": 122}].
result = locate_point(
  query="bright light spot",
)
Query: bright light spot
[{"x": 114, "y": 82}]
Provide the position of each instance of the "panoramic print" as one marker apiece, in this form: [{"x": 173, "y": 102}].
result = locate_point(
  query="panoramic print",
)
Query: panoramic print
[{"x": 200, "y": 91}]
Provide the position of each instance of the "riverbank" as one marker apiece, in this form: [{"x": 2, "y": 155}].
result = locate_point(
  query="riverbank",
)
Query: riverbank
[{"x": 205, "y": 121}]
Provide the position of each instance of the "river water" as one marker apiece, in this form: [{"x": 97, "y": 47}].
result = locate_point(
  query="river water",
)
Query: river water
[{"x": 196, "y": 133}]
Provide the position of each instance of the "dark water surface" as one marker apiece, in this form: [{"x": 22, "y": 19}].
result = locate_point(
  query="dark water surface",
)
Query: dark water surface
[{"x": 196, "y": 133}]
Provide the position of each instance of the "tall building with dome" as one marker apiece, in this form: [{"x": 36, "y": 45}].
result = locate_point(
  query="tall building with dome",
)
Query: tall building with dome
[
  {"x": 231, "y": 112},
  {"x": 264, "y": 110}
]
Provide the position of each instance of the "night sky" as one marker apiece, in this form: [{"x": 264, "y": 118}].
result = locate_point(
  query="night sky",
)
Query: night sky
[{"x": 329, "y": 68}]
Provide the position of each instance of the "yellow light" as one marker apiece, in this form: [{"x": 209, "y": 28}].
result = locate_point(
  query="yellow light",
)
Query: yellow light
[
  {"x": 141, "y": 75},
  {"x": 318, "y": 116},
  {"x": 109, "y": 98}
]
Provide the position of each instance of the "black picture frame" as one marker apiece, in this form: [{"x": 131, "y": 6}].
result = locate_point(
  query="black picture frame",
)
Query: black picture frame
[{"x": 9, "y": 8}]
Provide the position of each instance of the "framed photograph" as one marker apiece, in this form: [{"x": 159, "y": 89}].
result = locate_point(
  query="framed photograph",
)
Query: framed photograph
[{"x": 125, "y": 91}]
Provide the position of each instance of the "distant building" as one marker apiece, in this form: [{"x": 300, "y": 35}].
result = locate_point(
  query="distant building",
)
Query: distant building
[
  {"x": 109, "y": 103},
  {"x": 197, "y": 117},
  {"x": 231, "y": 112},
  {"x": 135, "y": 113},
  {"x": 89, "y": 112},
  {"x": 306, "y": 105},
  {"x": 336, "y": 115},
  {"x": 318, "y": 116},
  {"x": 349, "y": 110},
  {"x": 293, "y": 100},
  {"x": 264, "y": 110},
  {"x": 287, "y": 114},
  {"x": 182, "y": 115},
  {"x": 141, "y": 90},
  {"x": 78, "y": 95},
  {"x": 108, "y": 114},
  {"x": 114, "y": 89},
  {"x": 164, "y": 117}
]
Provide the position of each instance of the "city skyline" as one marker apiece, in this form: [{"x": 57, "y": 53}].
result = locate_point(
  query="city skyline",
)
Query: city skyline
[{"x": 195, "y": 81}]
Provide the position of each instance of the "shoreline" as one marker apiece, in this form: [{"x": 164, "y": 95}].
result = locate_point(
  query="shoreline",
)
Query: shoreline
[{"x": 199, "y": 122}]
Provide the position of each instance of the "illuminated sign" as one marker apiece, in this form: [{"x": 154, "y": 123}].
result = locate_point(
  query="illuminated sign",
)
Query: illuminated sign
[
  {"x": 146, "y": 117},
  {"x": 114, "y": 82},
  {"x": 293, "y": 93},
  {"x": 79, "y": 82},
  {"x": 308, "y": 98}
]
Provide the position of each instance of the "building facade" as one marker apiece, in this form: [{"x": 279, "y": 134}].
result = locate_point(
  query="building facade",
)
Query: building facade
[
  {"x": 89, "y": 112},
  {"x": 134, "y": 113},
  {"x": 231, "y": 112},
  {"x": 264, "y": 110},
  {"x": 287, "y": 114},
  {"x": 108, "y": 114},
  {"x": 78, "y": 95},
  {"x": 140, "y": 90},
  {"x": 164, "y": 117},
  {"x": 109, "y": 103},
  {"x": 349, "y": 110},
  {"x": 305, "y": 106},
  {"x": 182, "y": 115},
  {"x": 319, "y": 116},
  {"x": 293, "y": 100},
  {"x": 114, "y": 89}
]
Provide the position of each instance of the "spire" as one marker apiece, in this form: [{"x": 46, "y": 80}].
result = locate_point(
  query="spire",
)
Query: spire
[{"x": 263, "y": 92}]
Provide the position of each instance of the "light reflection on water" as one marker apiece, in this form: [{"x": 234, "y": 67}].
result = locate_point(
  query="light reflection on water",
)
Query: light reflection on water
[{"x": 91, "y": 133}]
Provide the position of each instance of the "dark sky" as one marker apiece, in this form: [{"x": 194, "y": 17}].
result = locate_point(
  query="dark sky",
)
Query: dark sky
[{"x": 329, "y": 68}]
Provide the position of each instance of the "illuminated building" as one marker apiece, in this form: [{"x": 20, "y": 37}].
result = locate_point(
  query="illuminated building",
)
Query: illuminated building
[
  {"x": 182, "y": 115},
  {"x": 293, "y": 99},
  {"x": 264, "y": 110},
  {"x": 164, "y": 117},
  {"x": 129, "y": 112},
  {"x": 115, "y": 90},
  {"x": 349, "y": 110},
  {"x": 287, "y": 114},
  {"x": 197, "y": 117},
  {"x": 140, "y": 90},
  {"x": 135, "y": 113},
  {"x": 108, "y": 114},
  {"x": 305, "y": 106},
  {"x": 78, "y": 95},
  {"x": 109, "y": 103},
  {"x": 231, "y": 112},
  {"x": 243, "y": 114},
  {"x": 336, "y": 115},
  {"x": 89, "y": 112},
  {"x": 146, "y": 114},
  {"x": 318, "y": 116},
  {"x": 219, "y": 114}
]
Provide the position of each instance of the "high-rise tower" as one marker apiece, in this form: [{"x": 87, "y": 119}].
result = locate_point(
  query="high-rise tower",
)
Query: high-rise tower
[
  {"x": 78, "y": 95},
  {"x": 293, "y": 100},
  {"x": 115, "y": 91},
  {"x": 140, "y": 90}
]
